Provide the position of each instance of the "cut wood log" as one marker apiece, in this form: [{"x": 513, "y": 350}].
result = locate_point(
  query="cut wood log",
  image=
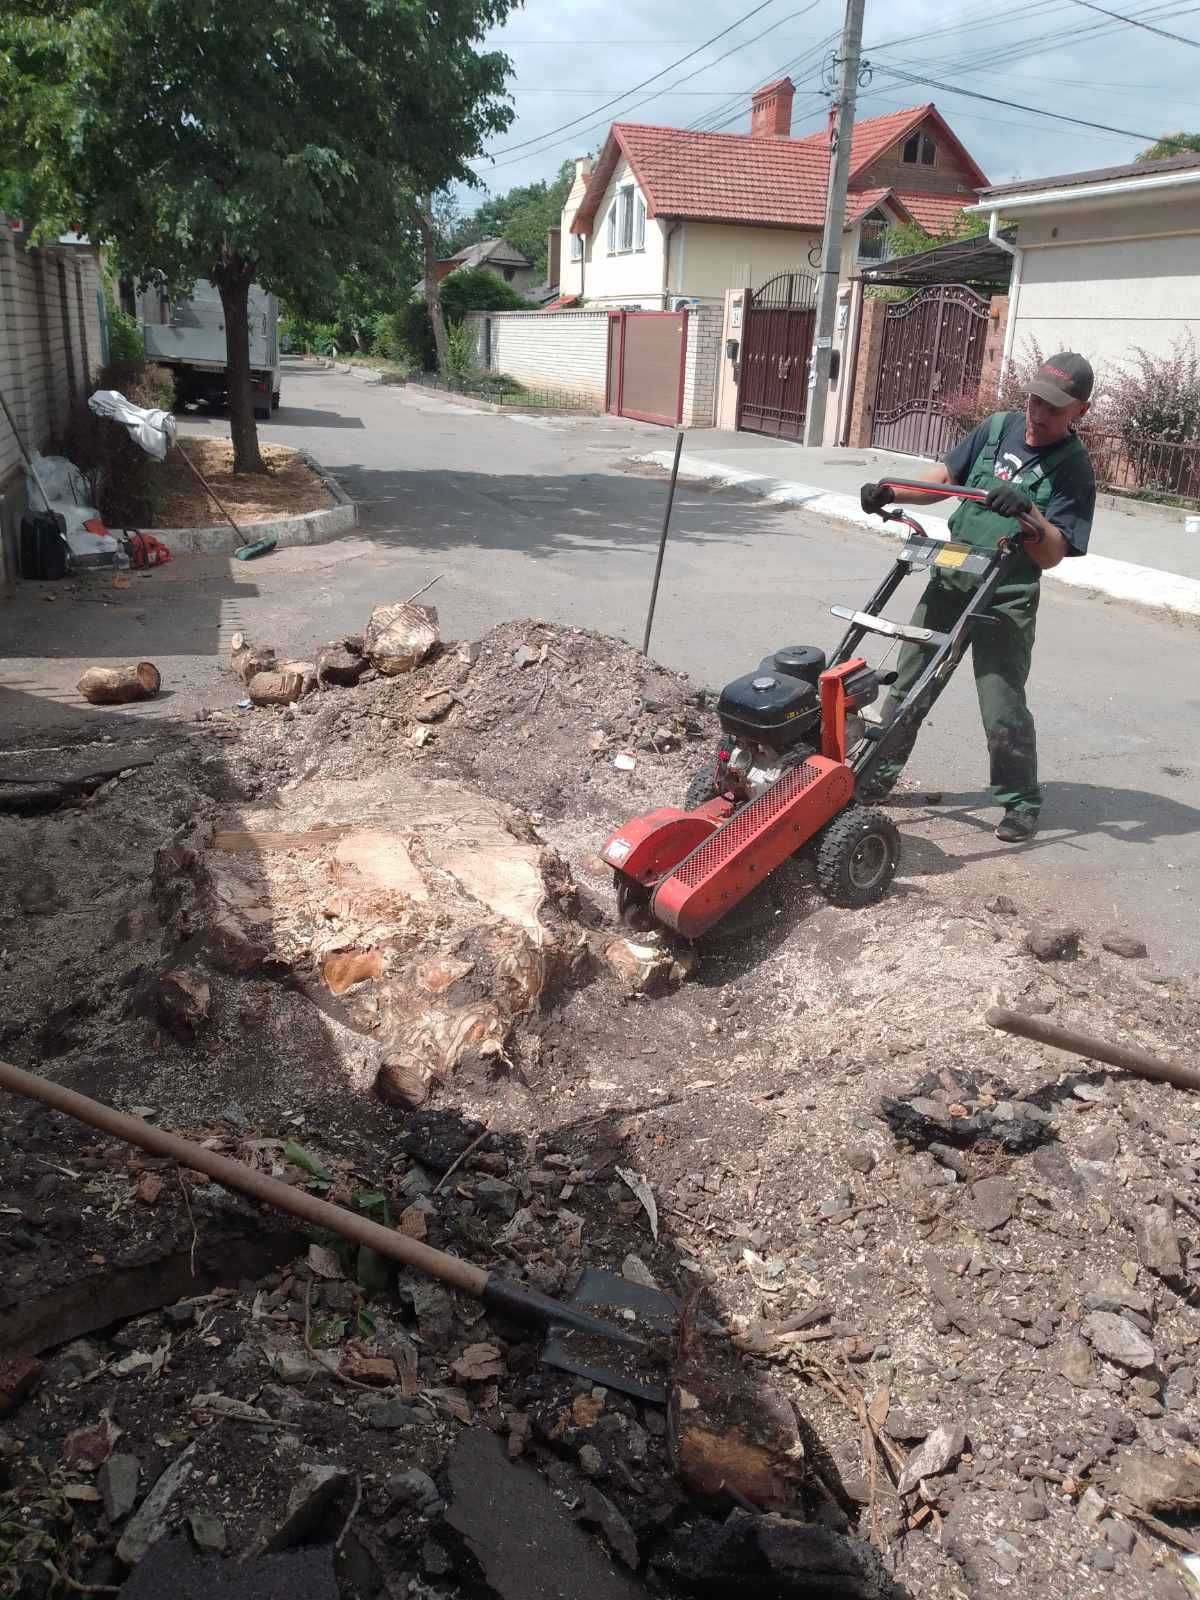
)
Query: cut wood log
[
  {"x": 398, "y": 638},
  {"x": 247, "y": 660},
  {"x": 118, "y": 686},
  {"x": 275, "y": 688}
]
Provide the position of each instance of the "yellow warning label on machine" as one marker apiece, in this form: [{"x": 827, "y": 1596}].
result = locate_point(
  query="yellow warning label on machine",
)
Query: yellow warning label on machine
[{"x": 951, "y": 555}]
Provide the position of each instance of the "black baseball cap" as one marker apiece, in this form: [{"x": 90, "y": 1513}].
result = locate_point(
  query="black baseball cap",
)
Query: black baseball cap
[{"x": 1062, "y": 379}]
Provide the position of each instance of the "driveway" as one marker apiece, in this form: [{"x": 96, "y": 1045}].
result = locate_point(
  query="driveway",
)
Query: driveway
[{"x": 541, "y": 517}]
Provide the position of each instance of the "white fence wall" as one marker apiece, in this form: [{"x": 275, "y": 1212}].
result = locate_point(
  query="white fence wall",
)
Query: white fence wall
[
  {"x": 705, "y": 324},
  {"x": 547, "y": 349}
]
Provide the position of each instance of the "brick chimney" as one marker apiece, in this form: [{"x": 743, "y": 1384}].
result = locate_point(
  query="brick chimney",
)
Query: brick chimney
[
  {"x": 771, "y": 110},
  {"x": 583, "y": 166}
]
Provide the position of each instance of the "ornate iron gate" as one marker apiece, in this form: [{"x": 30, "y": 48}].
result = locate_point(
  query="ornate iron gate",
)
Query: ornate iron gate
[
  {"x": 932, "y": 353},
  {"x": 778, "y": 324}
]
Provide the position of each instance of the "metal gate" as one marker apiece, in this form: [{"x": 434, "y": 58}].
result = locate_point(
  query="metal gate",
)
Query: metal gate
[
  {"x": 778, "y": 323},
  {"x": 647, "y": 353},
  {"x": 932, "y": 353}
]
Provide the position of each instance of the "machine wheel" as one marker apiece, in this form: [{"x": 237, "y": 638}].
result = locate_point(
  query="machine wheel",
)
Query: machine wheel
[
  {"x": 702, "y": 788},
  {"x": 633, "y": 905},
  {"x": 856, "y": 857}
]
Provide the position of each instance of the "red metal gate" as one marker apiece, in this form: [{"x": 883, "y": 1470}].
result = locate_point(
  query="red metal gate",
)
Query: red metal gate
[
  {"x": 778, "y": 323},
  {"x": 647, "y": 354},
  {"x": 932, "y": 353}
]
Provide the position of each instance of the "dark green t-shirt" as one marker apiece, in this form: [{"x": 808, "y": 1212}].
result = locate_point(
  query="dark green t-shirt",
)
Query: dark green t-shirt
[{"x": 1072, "y": 502}]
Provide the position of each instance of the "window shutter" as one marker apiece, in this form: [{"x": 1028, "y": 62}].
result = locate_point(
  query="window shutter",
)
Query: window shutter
[
  {"x": 612, "y": 228},
  {"x": 639, "y": 224}
]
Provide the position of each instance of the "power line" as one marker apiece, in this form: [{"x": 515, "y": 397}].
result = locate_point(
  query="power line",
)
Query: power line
[
  {"x": 1134, "y": 23},
  {"x": 707, "y": 66},
  {"x": 575, "y": 121},
  {"x": 1014, "y": 105}
]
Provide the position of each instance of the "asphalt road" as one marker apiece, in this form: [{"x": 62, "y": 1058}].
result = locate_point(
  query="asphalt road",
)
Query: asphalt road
[{"x": 541, "y": 517}]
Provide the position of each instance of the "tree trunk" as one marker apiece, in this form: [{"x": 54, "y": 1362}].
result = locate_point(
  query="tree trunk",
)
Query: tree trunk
[
  {"x": 233, "y": 279},
  {"x": 432, "y": 296}
]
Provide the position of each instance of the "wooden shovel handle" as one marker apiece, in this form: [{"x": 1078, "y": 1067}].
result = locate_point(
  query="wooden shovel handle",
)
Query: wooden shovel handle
[{"x": 229, "y": 1174}]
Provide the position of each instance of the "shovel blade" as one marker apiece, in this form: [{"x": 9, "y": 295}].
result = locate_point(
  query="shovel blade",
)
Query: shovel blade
[{"x": 646, "y": 1313}]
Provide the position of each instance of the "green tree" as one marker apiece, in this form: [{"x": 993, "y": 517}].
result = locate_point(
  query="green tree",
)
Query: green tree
[
  {"x": 522, "y": 216},
  {"x": 1171, "y": 144},
  {"x": 909, "y": 239},
  {"x": 244, "y": 143},
  {"x": 477, "y": 289}
]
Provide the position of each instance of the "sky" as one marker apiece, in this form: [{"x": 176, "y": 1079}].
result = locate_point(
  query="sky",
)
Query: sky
[{"x": 1045, "y": 55}]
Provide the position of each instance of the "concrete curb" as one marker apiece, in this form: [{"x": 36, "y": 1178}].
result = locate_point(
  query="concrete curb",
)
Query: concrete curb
[
  {"x": 313, "y": 527},
  {"x": 1119, "y": 580}
]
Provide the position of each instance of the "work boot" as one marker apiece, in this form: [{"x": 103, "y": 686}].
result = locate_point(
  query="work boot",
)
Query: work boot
[{"x": 1017, "y": 827}]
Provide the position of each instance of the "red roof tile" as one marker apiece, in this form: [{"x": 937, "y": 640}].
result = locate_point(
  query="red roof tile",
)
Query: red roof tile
[
  {"x": 730, "y": 177},
  {"x": 933, "y": 212}
]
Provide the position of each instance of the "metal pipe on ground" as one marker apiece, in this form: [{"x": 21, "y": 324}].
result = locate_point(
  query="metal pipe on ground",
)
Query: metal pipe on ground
[
  {"x": 500, "y": 1294},
  {"x": 1126, "y": 1056}
]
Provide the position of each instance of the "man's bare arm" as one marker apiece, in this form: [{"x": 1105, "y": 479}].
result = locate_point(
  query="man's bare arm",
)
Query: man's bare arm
[{"x": 1045, "y": 545}]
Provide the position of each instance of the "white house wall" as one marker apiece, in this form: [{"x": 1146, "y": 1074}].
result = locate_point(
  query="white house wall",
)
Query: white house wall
[
  {"x": 629, "y": 278},
  {"x": 1103, "y": 282}
]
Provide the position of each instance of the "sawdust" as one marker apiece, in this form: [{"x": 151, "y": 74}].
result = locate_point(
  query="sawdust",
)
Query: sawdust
[{"x": 290, "y": 488}]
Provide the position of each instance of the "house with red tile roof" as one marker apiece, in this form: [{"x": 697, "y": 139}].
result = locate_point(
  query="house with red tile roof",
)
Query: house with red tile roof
[{"x": 669, "y": 213}]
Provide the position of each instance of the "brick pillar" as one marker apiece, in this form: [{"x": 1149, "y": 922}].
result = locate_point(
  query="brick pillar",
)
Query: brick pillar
[
  {"x": 866, "y": 379},
  {"x": 993, "y": 352}
]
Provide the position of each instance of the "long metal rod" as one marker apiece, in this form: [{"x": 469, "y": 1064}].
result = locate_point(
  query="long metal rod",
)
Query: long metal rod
[
  {"x": 246, "y": 1180},
  {"x": 662, "y": 541},
  {"x": 11, "y": 420},
  {"x": 501, "y": 1294},
  {"x": 211, "y": 492},
  {"x": 1126, "y": 1056}
]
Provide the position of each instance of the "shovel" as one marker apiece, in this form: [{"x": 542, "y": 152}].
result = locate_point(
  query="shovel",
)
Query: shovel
[{"x": 499, "y": 1294}]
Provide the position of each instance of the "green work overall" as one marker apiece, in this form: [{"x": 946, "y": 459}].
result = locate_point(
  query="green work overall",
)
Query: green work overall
[{"x": 1001, "y": 650}]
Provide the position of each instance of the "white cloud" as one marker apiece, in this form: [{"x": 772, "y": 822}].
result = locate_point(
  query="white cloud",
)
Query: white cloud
[{"x": 1052, "y": 54}]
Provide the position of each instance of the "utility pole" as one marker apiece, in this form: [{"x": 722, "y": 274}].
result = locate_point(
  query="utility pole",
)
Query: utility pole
[{"x": 848, "y": 60}]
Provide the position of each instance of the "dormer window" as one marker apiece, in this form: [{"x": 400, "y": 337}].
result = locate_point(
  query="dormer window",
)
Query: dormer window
[{"x": 919, "y": 151}]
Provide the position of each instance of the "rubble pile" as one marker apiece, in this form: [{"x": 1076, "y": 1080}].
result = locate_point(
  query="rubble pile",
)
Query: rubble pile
[{"x": 936, "y": 1283}]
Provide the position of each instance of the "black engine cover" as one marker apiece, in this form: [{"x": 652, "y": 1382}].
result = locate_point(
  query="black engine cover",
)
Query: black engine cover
[{"x": 770, "y": 705}]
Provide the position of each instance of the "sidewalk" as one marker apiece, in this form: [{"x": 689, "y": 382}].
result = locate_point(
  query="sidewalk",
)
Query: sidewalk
[{"x": 1138, "y": 553}]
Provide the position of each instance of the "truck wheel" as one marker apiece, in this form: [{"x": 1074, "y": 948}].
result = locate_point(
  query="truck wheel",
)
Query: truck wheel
[
  {"x": 856, "y": 857},
  {"x": 263, "y": 413},
  {"x": 275, "y": 399}
]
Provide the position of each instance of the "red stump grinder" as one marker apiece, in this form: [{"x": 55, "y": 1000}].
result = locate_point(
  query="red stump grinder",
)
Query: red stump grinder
[{"x": 796, "y": 757}]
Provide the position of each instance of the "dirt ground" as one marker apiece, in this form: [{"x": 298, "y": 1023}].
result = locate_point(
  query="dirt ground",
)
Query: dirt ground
[
  {"x": 1016, "y": 1325},
  {"x": 289, "y": 489}
]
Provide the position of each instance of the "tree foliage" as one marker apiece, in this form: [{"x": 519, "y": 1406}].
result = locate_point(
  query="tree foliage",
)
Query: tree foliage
[
  {"x": 522, "y": 216},
  {"x": 246, "y": 143},
  {"x": 909, "y": 239},
  {"x": 477, "y": 289},
  {"x": 1171, "y": 144}
]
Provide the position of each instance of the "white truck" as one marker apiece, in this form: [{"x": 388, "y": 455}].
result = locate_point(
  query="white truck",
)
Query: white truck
[{"x": 188, "y": 336}]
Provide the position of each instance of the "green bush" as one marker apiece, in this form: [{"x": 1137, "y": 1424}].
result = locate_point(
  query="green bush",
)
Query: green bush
[
  {"x": 122, "y": 479},
  {"x": 460, "y": 350},
  {"x": 125, "y": 342},
  {"x": 478, "y": 289}
]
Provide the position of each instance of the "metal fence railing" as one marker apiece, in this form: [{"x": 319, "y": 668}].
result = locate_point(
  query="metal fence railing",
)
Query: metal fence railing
[
  {"x": 1150, "y": 468},
  {"x": 506, "y": 394}
]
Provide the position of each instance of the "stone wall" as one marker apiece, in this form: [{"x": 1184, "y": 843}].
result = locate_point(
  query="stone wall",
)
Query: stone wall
[
  {"x": 50, "y": 353},
  {"x": 866, "y": 377}
]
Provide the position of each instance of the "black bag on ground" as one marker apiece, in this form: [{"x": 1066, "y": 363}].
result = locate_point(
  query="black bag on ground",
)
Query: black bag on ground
[{"x": 43, "y": 551}]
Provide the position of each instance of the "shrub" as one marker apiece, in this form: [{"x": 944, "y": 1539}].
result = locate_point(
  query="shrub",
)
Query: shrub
[
  {"x": 121, "y": 477},
  {"x": 478, "y": 290},
  {"x": 125, "y": 342},
  {"x": 1156, "y": 397},
  {"x": 460, "y": 350}
]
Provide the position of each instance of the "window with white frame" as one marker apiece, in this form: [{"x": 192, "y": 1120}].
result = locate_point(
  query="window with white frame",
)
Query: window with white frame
[
  {"x": 626, "y": 221},
  {"x": 576, "y": 247}
]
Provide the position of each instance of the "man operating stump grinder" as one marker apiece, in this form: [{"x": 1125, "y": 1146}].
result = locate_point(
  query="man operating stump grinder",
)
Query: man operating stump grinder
[{"x": 1040, "y": 483}]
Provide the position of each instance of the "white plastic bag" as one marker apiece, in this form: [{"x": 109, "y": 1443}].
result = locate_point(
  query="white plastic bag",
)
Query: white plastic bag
[{"x": 153, "y": 430}]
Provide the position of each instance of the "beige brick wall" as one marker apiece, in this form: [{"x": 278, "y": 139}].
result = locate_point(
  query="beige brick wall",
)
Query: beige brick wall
[
  {"x": 565, "y": 350},
  {"x": 701, "y": 366},
  {"x": 50, "y": 349}
]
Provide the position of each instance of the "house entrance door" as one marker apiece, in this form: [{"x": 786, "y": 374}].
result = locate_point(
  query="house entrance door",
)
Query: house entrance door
[{"x": 778, "y": 324}]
